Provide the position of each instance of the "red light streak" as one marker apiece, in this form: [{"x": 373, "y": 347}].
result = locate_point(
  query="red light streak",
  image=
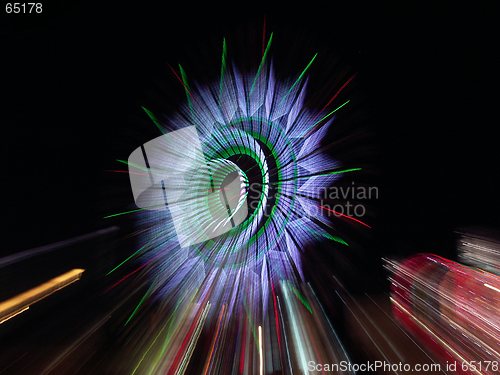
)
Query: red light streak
[
  {"x": 185, "y": 340},
  {"x": 215, "y": 190},
  {"x": 331, "y": 100},
  {"x": 130, "y": 274},
  {"x": 234, "y": 197},
  {"x": 184, "y": 85},
  {"x": 348, "y": 217},
  {"x": 276, "y": 317}
]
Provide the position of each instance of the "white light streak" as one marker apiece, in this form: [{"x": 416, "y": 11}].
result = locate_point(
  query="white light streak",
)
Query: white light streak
[{"x": 492, "y": 287}]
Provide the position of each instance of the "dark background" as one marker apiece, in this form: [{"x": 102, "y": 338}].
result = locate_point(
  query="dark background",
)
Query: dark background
[{"x": 76, "y": 76}]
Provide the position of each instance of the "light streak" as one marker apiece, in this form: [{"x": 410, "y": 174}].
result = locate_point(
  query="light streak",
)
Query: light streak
[
  {"x": 156, "y": 338},
  {"x": 183, "y": 81},
  {"x": 215, "y": 190},
  {"x": 492, "y": 287},
  {"x": 136, "y": 252},
  {"x": 328, "y": 115},
  {"x": 262, "y": 62},
  {"x": 338, "y": 92},
  {"x": 287, "y": 351},
  {"x": 76, "y": 344},
  {"x": 462, "y": 359},
  {"x": 259, "y": 125},
  {"x": 16, "y": 305},
  {"x": 223, "y": 67},
  {"x": 13, "y": 362},
  {"x": 196, "y": 326},
  {"x": 276, "y": 316},
  {"x": 298, "y": 79},
  {"x": 194, "y": 340},
  {"x": 209, "y": 359},
  {"x": 251, "y": 325},
  {"x": 312, "y": 338},
  {"x": 170, "y": 332},
  {"x": 155, "y": 120},
  {"x": 139, "y": 209},
  {"x": 136, "y": 166},
  {"x": 347, "y": 217},
  {"x": 436, "y": 298},
  {"x": 15, "y": 314},
  {"x": 260, "y": 352},
  {"x": 296, "y": 331},
  {"x": 130, "y": 274},
  {"x": 237, "y": 195},
  {"x": 139, "y": 305}
]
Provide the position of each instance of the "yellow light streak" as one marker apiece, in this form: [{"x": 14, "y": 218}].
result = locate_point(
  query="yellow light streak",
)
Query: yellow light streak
[
  {"x": 13, "y": 315},
  {"x": 16, "y": 305}
]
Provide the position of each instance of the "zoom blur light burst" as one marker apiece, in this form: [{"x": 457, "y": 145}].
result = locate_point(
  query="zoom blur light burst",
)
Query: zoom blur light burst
[{"x": 255, "y": 133}]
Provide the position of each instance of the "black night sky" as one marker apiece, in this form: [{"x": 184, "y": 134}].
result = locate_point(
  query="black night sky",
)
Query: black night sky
[{"x": 76, "y": 76}]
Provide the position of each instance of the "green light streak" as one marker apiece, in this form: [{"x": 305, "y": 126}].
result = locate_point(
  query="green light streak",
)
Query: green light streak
[
  {"x": 186, "y": 87},
  {"x": 298, "y": 79},
  {"x": 339, "y": 240},
  {"x": 329, "y": 236},
  {"x": 140, "y": 303},
  {"x": 136, "y": 252},
  {"x": 251, "y": 325},
  {"x": 317, "y": 122},
  {"x": 223, "y": 68},
  {"x": 261, "y": 64},
  {"x": 302, "y": 299},
  {"x": 294, "y": 325},
  {"x": 155, "y": 120},
  {"x": 144, "y": 356},
  {"x": 138, "y": 167},
  {"x": 140, "y": 209},
  {"x": 344, "y": 171},
  {"x": 169, "y": 336}
]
